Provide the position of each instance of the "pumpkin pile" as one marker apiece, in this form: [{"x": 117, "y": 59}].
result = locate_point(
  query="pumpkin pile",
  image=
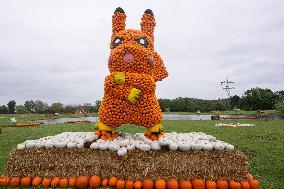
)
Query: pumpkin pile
[
  {"x": 235, "y": 124},
  {"x": 129, "y": 90},
  {"x": 96, "y": 181}
]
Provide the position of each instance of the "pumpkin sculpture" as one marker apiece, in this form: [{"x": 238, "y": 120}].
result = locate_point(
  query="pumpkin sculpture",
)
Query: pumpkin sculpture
[{"x": 129, "y": 90}]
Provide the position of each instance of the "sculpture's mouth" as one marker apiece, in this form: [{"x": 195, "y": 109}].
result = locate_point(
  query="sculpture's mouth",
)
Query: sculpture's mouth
[{"x": 128, "y": 57}]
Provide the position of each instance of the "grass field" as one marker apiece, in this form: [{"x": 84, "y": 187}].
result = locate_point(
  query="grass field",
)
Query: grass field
[{"x": 263, "y": 144}]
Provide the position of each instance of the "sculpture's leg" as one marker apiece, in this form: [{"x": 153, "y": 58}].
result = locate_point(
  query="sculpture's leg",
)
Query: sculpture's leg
[
  {"x": 151, "y": 117},
  {"x": 110, "y": 117}
]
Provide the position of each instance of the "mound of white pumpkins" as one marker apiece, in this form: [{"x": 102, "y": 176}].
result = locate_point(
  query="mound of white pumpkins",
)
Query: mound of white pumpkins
[{"x": 126, "y": 142}]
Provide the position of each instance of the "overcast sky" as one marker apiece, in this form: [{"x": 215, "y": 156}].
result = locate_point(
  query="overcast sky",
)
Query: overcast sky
[{"x": 57, "y": 51}]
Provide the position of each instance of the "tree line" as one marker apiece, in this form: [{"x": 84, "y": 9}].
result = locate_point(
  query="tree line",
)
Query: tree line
[{"x": 252, "y": 99}]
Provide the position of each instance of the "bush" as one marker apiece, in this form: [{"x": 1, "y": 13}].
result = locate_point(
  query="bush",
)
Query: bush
[{"x": 280, "y": 107}]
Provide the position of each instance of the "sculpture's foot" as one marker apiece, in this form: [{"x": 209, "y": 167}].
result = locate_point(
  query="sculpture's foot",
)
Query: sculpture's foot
[
  {"x": 155, "y": 132},
  {"x": 105, "y": 132}
]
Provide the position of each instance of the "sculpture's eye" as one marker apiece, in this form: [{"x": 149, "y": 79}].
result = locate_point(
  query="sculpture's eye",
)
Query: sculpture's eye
[
  {"x": 143, "y": 41},
  {"x": 117, "y": 41}
]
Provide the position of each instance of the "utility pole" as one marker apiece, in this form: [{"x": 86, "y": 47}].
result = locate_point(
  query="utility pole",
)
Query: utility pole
[{"x": 227, "y": 86}]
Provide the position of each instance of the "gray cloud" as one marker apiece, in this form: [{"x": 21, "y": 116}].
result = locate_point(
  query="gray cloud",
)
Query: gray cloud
[{"x": 58, "y": 50}]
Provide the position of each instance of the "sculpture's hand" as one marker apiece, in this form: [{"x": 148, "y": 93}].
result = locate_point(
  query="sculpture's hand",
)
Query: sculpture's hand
[
  {"x": 134, "y": 95},
  {"x": 119, "y": 78}
]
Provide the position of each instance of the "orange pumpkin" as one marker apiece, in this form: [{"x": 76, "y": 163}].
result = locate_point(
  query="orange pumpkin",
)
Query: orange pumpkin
[
  {"x": 120, "y": 184},
  {"x": 244, "y": 184},
  {"x": 82, "y": 181},
  {"x": 210, "y": 184},
  {"x": 198, "y": 183},
  {"x": 172, "y": 184},
  {"x": 234, "y": 185},
  {"x": 72, "y": 181},
  {"x": 254, "y": 184},
  {"x": 138, "y": 184},
  {"x": 249, "y": 176},
  {"x": 26, "y": 181},
  {"x": 185, "y": 184},
  {"x": 36, "y": 181},
  {"x": 4, "y": 181},
  {"x": 222, "y": 184},
  {"x": 15, "y": 181},
  {"x": 148, "y": 184},
  {"x": 112, "y": 181},
  {"x": 129, "y": 184},
  {"x": 104, "y": 182},
  {"x": 54, "y": 182},
  {"x": 95, "y": 181},
  {"x": 160, "y": 184},
  {"x": 63, "y": 182},
  {"x": 46, "y": 182}
]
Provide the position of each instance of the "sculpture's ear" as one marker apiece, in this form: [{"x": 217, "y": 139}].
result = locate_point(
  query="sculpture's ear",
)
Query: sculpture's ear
[
  {"x": 160, "y": 72},
  {"x": 148, "y": 23},
  {"x": 118, "y": 20}
]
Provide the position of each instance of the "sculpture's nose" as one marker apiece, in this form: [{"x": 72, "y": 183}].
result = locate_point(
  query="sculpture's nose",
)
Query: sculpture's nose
[{"x": 128, "y": 57}]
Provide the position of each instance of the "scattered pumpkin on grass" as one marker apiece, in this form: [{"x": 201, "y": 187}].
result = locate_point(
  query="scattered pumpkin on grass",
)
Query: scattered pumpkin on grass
[
  {"x": 46, "y": 182},
  {"x": 72, "y": 181},
  {"x": 138, "y": 184},
  {"x": 95, "y": 181},
  {"x": 112, "y": 181},
  {"x": 36, "y": 181},
  {"x": 54, "y": 182},
  {"x": 26, "y": 181},
  {"x": 234, "y": 184},
  {"x": 15, "y": 181},
  {"x": 148, "y": 184},
  {"x": 63, "y": 182},
  {"x": 129, "y": 184},
  {"x": 172, "y": 184},
  {"x": 210, "y": 184},
  {"x": 82, "y": 181},
  {"x": 120, "y": 184},
  {"x": 254, "y": 184},
  {"x": 160, "y": 184},
  {"x": 198, "y": 183},
  {"x": 222, "y": 184},
  {"x": 104, "y": 182},
  {"x": 185, "y": 184}
]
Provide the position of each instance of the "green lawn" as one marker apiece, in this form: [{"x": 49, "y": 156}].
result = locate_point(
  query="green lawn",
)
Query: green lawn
[{"x": 263, "y": 144}]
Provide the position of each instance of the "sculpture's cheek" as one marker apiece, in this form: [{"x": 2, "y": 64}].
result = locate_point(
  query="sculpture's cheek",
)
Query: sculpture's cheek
[{"x": 151, "y": 61}]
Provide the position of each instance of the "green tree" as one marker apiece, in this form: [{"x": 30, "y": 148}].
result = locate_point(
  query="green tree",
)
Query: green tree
[
  {"x": 57, "y": 107},
  {"x": 258, "y": 99},
  {"x": 21, "y": 109},
  {"x": 39, "y": 107},
  {"x": 30, "y": 106},
  {"x": 3, "y": 109},
  {"x": 235, "y": 101},
  {"x": 279, "y": 106},
  {"x": 69, "y": 109},
  {"x": 97, "y": 105},
  {"x": 11, "y": 106}
]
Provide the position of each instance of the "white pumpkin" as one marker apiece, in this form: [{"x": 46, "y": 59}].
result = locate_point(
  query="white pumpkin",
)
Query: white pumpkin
[
  {"x": 71, "y": 145},
  {"x": 173, "y": 146},
  {"x": 218, "y": 146},
  {"x": 145, "y": 147},
  {"x": 183, "y": 146},
  {"x": 164, "y": 142},
  {"x": 80, "y": 146},
  {"x": 48, "y": 145},
  {"x": 122, "y": 151},
  {"x": 21, "y": 146},
  {"x": 90, "y": 138},
  {"x": 123, "y": 143},
  {"x": 230, "y": 147},
  {"x": 155, "y": 146},
  {"x": 39, "y": 144},
  {"x": 103, "y": 146},
  {"x": 60, "y": 145},
  {"x": 131, "y": 147},
  {"x": 113, "y": 147},
  {"x": 207, "y": 147},
  {"x": 196, "y": 146},
  {"x": 30, "y": 145}
]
